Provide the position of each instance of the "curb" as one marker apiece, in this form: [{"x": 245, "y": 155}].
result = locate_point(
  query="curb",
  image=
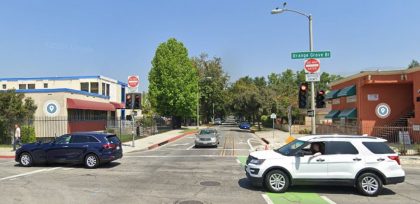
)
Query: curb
[
  {"x": 7, "y": 157},
  {"x": 169, "y": 140}
]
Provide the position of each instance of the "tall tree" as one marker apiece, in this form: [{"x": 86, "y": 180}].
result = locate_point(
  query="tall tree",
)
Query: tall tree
[
  {"x": 14, "y": 108},
  {"x": 413, "y": 63},
  {"x": 213, "y": 84},
  {"x": 173, "y": 81}
]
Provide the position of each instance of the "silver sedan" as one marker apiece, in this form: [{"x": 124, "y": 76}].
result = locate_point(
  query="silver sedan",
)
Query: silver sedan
[{"x": 207, "y": 137}]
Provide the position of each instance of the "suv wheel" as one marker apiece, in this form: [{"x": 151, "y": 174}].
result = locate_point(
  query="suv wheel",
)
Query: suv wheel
[
  {"x": 91, "y": 161},
  {"x": 276, "y": 181},
  {"x": 369, "y": 184},
  {"x": 25, "y": 159}
]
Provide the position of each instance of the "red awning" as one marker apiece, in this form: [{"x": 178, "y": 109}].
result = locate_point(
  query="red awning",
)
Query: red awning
[
  {"x": 118, "y": 105},
  {"x": 89, "y": 105}
]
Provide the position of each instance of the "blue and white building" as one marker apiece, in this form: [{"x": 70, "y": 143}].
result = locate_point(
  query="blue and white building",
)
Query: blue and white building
[{"x": 75, "y": 103}]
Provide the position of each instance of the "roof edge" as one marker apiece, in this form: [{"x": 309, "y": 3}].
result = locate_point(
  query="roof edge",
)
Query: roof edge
[{"x": 365, "y": 73}]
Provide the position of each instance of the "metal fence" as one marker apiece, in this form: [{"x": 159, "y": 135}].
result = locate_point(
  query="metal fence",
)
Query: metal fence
[
  {"x": 47, "y": 128},
  {"x": 403, "y": 140}
]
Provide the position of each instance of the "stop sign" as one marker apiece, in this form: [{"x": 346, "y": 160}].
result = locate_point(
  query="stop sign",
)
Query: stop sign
[
  {"x": 133, "y": 81},
  {"x": 312, "y": 65}
]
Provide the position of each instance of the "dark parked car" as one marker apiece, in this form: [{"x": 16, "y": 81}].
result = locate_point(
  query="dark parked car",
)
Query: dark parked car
[
  {"x": 91, "y": 149},
  {"x": 245, "y": 125}
]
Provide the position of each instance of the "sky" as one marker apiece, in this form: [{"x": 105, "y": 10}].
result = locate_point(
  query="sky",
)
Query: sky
[{"x": 119, "y": 38}]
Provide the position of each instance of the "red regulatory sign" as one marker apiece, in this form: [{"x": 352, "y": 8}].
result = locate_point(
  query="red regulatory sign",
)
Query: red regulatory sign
[
  {"x": 133, "y": 81},
  {"x": 312, "y": 65}
]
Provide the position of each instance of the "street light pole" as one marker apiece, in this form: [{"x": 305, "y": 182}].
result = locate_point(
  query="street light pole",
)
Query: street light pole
[
  {"x": 198, "y": 104},
  {"x": 278, "y": 11},
  {"x": 311, "y": 48}
]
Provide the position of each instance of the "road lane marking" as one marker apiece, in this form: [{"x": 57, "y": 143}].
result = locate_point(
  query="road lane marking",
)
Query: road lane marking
[
  {"x": 233, "y": 145},
  {"x": 249, "y": 144},
  {"x": 28, "y": 173},
  {"x": 328, "y": 200},
  {"x": 173, "y": 156},
  {"x": 189, "y": 148},
  {"x": 176, "y": 145},
  {"x": 237, "y": 160},
  {"x": 267, "y": 199}
]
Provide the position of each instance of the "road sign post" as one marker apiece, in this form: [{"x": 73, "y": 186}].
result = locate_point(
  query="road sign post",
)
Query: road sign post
[{"x": 273, "y": 116}]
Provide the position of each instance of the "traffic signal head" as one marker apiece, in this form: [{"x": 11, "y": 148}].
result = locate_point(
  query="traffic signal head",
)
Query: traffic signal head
[
  {"x": 303, "y": 94},
  {"x": 129, "y": 101},
  {"x": 137, "y": 101},
  {"x": 304, "y": 87},
  {"x": 320, "y": 97}
]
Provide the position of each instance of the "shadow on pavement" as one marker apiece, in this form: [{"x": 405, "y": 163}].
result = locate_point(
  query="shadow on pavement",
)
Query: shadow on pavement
[
  {"x": 81, "y": 166},
  {"x": 244, "y": 183},
  {"x": 238, "y": 130}
]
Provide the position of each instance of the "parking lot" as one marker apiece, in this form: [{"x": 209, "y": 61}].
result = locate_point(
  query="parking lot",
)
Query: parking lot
[{"x": 177, "y": 173}]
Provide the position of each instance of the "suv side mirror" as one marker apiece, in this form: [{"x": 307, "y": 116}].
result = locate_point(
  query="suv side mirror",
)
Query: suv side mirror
[{"x": 300, "y": 154}]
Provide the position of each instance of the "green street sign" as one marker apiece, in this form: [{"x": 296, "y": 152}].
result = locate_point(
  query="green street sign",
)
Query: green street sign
[{"x": 306, "y": 55}]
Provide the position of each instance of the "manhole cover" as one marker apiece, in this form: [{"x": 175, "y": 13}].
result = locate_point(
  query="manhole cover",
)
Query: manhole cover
[
  {"x": 189, "y": 202},
  {"x": 210, "y": 183}
]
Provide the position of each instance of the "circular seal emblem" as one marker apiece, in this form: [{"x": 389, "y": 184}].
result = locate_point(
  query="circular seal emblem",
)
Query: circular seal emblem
[
  {"x": 383, "y": 110},
  {"x": 51, "y": 108}
]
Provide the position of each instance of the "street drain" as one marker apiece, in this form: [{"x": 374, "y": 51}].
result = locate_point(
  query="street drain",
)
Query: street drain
[
  {"x": 189, "y": 202},
  {"x": 210, "y": 183}
]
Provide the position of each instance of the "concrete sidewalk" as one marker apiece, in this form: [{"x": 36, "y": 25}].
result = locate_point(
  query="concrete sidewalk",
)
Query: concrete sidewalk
[
  {"x": 274, "y": 139},
  {"x": 142, "y": 144},
  {"x": 155, "y": 141}
]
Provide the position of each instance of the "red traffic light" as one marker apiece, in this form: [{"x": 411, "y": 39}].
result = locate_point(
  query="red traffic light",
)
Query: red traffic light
[{"x": 303, "y": 87}]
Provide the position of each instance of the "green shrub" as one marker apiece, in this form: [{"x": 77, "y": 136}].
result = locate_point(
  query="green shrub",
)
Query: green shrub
[
  {"x": 109, "y": 130},
  {"x": 266, "y": 121},
  {"x": 27, "y": 134}
]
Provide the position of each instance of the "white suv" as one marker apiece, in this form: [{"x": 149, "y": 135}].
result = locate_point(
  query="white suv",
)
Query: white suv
[{"x": 364, "y": 162}]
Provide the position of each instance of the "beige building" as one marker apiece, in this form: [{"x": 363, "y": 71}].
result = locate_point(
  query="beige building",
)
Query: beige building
[{"x": 71, "y": 104}]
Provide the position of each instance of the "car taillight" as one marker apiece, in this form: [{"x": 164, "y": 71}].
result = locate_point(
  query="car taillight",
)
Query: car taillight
[
  {"x": 395, "y": 158},
  {"x": 109, "y": 146}
]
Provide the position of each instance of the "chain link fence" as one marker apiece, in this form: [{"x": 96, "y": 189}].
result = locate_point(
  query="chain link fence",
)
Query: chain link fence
[{"x": 403, "y": 140}]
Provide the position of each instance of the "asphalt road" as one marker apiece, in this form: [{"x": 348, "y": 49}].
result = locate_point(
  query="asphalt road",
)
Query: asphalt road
[{"x": 174, "y": 173}]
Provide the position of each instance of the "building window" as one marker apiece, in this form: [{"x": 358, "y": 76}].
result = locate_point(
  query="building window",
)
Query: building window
[
  {"x": 4, "y": 86},
  {"x": 86, "y": 115},
  {"x": 107, "y": 89},
  {"x": 22, "y": 86},
  {"x": 103, "y": 89},
  {"x": 31, "y": 86},
  {"x": 94, "y": 87},
  {"x": 84, "y": 86},
  {"x": 45, "y": 85}
]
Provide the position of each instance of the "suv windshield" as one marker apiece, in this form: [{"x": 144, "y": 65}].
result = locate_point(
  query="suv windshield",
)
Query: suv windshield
[{"x": 290, "y": 148}]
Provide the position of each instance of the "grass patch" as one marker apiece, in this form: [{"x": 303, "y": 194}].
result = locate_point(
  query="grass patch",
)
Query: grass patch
[
  {"x": 242, "y": 159},
  {"x": 5, "y": 146},
  {"x": 292, "y": 197},
  {"x": 125, "y": 138}
]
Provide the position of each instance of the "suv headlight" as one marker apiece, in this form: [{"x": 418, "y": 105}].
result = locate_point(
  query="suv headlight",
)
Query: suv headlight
[{"x": 257, "y": 161}]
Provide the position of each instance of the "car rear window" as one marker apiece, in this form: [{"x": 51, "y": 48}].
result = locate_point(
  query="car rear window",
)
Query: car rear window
[
  {"x": 378, "y": 147},
  {"x": 113, "y": 139}
]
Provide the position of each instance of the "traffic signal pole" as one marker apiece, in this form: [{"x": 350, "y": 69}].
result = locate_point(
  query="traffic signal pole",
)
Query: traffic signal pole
[{"x": 311, "y": 48}]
